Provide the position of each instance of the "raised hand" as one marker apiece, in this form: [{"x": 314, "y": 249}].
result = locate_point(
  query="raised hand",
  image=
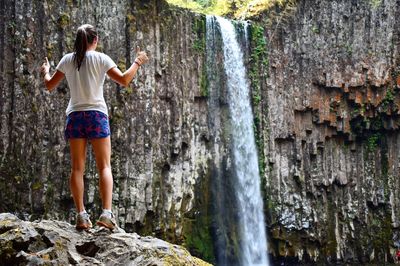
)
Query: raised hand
[
  {"x": 45, "y": 68},
  {"x": 141, "y": 56}
]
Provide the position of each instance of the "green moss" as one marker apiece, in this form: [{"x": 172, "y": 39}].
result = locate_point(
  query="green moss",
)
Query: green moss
[
  {"x": 70, "y": 3},
  {"x": 349, "y": 49},
  {"x": 372, "y": 142},
  {"x": 129, "y": 90},
  {"x": 257, "y": 74},
  {"x": 37, "y": 185},
  {"x": 315, "y": 29},
  {"x": 381, "y": 230},
  {"x": 35, "y": 108},
  {"x": 199, "y": 30},
  {"x": 63, "y": 20},
  {"x": 197, "y": 223},
  {"x": 389, "y": 95},
  {"x": 116, "y": 117},
  {"x": 122, "y": 64},
  {"x": 331, "y": 243},
  {"x": 357, "y": 111},
  {"x": 50, "y": 48},
  {"x": 258, "y": 67},
  {"x": 375, "y": 3},
  {"x": 388, "y": 101},
  {"x": 204, "y": 82},
  {"x": 198, "y": 238},
  {"x": 385, "y": 169},
  {"x": 199, "y": 46}
]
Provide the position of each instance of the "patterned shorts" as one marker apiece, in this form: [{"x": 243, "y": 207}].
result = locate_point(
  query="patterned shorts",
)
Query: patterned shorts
[{"x": 87, "y": 124}]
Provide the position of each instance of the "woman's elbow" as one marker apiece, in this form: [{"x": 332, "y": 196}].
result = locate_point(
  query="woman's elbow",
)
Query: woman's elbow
[
  {"x": 49, "y": 87},
  {"x": 124, "y": 82}
]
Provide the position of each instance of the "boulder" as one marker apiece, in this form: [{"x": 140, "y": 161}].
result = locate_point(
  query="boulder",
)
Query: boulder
[{"x": 51, "y": 242}]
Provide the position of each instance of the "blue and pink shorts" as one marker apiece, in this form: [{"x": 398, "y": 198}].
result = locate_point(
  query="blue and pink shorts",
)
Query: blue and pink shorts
[{"x": 87, "y": 124}]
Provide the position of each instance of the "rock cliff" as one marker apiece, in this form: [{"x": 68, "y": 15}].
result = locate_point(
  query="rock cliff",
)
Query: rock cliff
[
  {"x": 159, "y": 124},
  {"x": 325, "y": 81},
  {"x": 330, "y": 110}
]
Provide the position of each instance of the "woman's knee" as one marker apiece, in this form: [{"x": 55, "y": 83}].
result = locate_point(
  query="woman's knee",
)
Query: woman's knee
[
  {"x": 104, "y": 168},
  {"x": 77, "y": 168}
]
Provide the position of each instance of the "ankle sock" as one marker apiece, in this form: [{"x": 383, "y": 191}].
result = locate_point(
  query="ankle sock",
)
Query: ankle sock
[
  {"x": 107, "y": 212},
  {"x": 82, "y": 212}
]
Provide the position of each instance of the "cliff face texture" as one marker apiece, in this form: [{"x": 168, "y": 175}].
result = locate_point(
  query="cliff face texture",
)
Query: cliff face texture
[
  {"x": 158, "y": 124},
  {"x": 325, "y": 81},
  {"x": 331, "y": 139}
]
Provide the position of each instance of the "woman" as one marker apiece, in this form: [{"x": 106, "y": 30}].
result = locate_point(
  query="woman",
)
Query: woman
[{"x": 87, "y": 117}]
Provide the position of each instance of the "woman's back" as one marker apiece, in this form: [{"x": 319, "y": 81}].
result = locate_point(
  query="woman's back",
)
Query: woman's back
[{"x": 86, "y": 85}]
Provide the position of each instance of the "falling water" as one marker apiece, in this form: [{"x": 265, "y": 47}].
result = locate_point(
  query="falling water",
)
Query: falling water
[
  {"x": 250, "y": 206},
  {"x": 246, "y": 33}
]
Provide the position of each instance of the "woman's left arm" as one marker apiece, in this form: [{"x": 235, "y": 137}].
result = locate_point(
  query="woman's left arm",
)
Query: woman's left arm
[{"x": 51, "y": 81}]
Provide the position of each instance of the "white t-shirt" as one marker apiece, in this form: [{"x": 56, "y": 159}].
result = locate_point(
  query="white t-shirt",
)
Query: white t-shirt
[{"x": 86, "y": 85}]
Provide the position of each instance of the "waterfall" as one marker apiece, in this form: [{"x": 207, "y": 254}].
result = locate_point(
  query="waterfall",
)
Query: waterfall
[{"x": 251, "y": 224}]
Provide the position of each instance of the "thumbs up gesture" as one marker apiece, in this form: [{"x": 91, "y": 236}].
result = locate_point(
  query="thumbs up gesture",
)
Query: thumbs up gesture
[
  {"x": 141, "y": 56},
  {"x": 45, "y": 67}
]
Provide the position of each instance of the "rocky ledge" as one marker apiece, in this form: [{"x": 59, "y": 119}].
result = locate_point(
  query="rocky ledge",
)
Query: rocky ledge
[{"x": 50, "y": 242}]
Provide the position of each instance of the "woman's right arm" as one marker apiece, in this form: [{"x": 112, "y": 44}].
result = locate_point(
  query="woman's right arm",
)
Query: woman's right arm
[
  {"x": 125, "y": 78},
  {"x": 51, "y": 81}
]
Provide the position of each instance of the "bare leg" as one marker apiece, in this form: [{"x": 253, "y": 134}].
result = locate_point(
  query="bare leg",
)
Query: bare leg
[
  {"x": 102, "y": 151},
  {"x": 78, "y": 158}
]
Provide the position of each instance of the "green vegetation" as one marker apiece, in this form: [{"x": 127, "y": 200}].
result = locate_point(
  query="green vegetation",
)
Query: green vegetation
[
  {"x": 388, "y": 101},
  {"x": 237, "y": 8},
  {"x": 372, "y": 141},
  {"x": 198, "y": 238},
  {"x": 330, "y": 246},
  {"x": 199, "y": 30},
  {"x": 385, "y": 169},
  {"x": 258, "y": 65},
  {"x": 199, "y": 47},
  {"x": 204, "y": 83},
  {"x": 371, "y": 135},
  {"x": 375, "y": 3},
  {"x": 349, "y": 49},
  {"x": 63, "y": 20},
  {"x": 315, "y": 29},
  {"x": 381, "y": 229},
  {"x": 197, "y": 223}
]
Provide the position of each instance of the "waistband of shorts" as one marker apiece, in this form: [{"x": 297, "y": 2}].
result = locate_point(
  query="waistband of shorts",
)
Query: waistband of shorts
[{"x": 87, "y": 112}]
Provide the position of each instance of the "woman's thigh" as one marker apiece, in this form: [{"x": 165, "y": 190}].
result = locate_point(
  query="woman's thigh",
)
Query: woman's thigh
[
  {"x": 102, "y": 152},
  {"x": 78, "y": 153}
]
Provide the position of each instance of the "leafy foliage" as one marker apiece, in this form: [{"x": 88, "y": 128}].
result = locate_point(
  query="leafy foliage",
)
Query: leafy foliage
[{"x": 237, "y": 8}]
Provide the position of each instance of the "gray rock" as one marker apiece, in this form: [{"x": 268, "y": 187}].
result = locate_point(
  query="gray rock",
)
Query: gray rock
[{"x": 64, "y": 245}]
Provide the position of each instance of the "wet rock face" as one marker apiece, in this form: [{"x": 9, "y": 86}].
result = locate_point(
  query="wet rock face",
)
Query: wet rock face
[
  {"x": 159, "y": 124},
  {"x": 50, "y": 242},
  {"x": 332, "y": 179}
]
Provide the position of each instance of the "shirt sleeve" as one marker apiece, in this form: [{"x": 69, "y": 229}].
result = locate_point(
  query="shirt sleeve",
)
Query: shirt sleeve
[
  {"x": 108, "y": 63},
  {"x": 62, "y": 64}
]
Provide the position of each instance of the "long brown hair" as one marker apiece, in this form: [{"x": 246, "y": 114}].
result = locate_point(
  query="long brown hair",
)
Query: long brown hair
[{"x": 85, "y": 36}]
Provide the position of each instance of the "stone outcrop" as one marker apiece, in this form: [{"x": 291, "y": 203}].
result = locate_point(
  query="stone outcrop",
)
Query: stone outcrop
[{"x": 50, "y": 242}]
